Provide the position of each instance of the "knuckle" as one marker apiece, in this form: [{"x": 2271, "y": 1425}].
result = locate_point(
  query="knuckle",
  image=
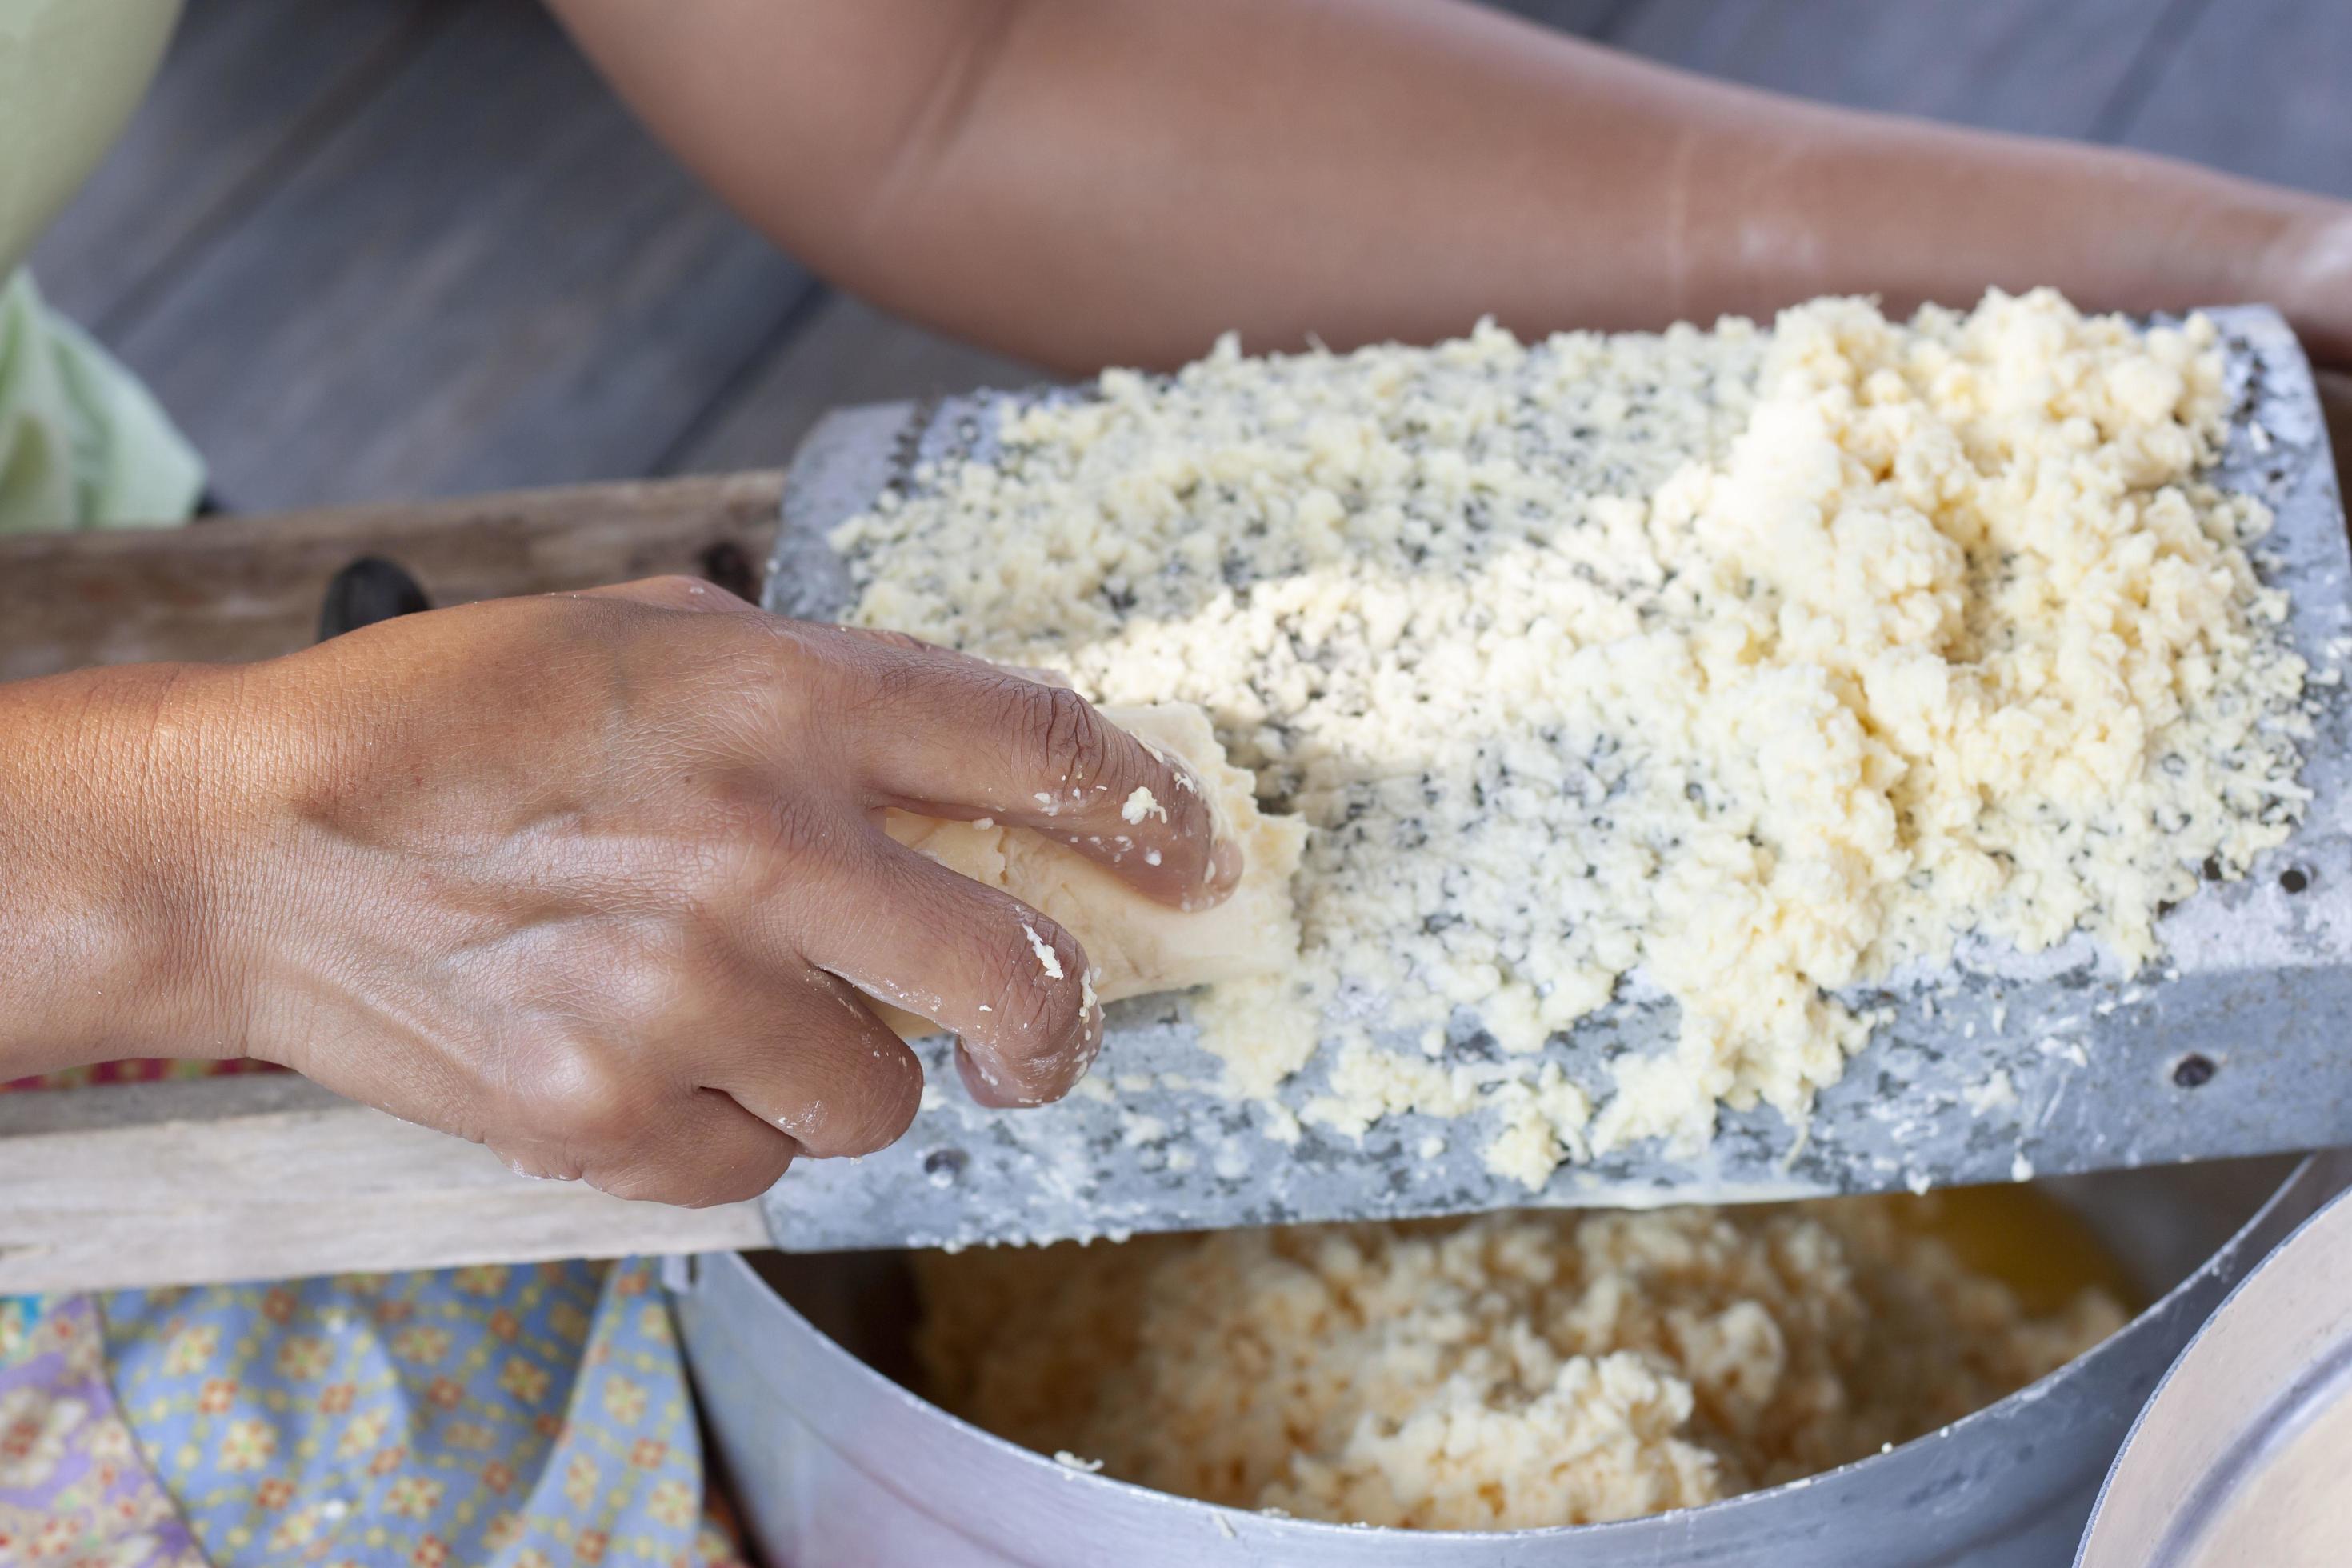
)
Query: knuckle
[
  {"x": 1062, "y": 730},
  {"x": 746, "y": 839},
  {"x": 733, "y": 1183},
  {"x": 852, "y": 1086},
  {"x": 634, "y": 1183},
  {"x": 587, "y": 1104},
  {"x": 875, "y": 1101},
  {"x": 527, "y": 1157},
  {"x": 905, "y": 642},
  {"x": 641, "y": 1182},
  {"x": 885, "y": 1114},
  {"x": 1042, "y": 1007}
]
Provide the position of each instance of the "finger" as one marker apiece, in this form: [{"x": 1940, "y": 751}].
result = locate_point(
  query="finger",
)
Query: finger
[
  {"x": 1012, "y": 986},
  {"x": 625, "y": 1134},
  {"x": 710, "y": 1150},
  {"x": 957, "y": 738},
  {"x": 691, "y": 594},
  {"x": 888, "y": 638},
  {"x": 820, "y": 1066}
]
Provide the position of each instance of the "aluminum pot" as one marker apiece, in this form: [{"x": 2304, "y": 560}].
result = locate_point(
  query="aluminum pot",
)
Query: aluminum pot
[
  {"x": 838, "y": 1465},
  {"x": 2240, "y": 1456}
]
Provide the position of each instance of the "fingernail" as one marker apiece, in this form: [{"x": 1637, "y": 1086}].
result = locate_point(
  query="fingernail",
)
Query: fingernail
[{"x": 1224, "y": 865}]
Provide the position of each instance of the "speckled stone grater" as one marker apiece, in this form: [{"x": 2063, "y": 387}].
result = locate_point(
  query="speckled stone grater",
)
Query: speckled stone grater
[{"x": 2235, "y": 1044}]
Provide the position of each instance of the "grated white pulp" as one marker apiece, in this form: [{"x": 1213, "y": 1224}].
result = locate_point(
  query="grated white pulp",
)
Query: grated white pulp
[{"x": 1746, "y": 666}]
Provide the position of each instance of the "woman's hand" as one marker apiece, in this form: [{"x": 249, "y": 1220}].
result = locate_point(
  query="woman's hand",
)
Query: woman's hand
[{"x": 595, "y": 879}]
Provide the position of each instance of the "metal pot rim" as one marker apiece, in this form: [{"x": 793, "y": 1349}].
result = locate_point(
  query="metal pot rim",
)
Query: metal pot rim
[
  {"x": 2113, "y": 1348},
  {"x": 2226, "y": 1454}
]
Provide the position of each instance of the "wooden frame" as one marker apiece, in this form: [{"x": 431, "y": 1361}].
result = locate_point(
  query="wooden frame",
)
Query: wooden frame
[{"x": 268, "y": 1175}]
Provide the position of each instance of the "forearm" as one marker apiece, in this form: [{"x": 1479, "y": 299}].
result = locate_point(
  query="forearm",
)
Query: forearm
[
  {"x": 104, "y": 947},
  {"x": 1084, "y": 180}
]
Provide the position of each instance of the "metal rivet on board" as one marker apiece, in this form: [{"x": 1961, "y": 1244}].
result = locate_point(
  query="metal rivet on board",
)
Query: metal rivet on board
[
  {"x": 2295, "y": 878},
  {"x": 944, "y": 1165},
  {"x": 2192, "y": 1070}
]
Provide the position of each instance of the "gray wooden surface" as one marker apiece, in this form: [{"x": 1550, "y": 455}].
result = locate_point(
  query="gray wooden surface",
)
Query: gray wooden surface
[{"x": 367, "y": 250}]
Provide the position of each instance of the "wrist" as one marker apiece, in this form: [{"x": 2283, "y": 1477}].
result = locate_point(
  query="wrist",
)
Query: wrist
[{"x": 119, "y": 808}]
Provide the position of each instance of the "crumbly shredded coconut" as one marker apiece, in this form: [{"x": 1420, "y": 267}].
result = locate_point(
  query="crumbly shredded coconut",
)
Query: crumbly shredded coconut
[
  {"x": 1744, "y": 664},
  {"x": 1506, "y": 1371}
]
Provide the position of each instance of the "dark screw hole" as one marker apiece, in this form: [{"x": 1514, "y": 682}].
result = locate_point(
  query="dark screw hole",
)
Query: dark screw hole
[
  {"x": 944, "y": 1165},
  {"x": 2293, "y": 880},
  {"x": 2212, "y": 867},
  {"x": 726, "y": 564},
  {"x": 369, "y": 590},
  {"x": 2192, "y": 1070}
]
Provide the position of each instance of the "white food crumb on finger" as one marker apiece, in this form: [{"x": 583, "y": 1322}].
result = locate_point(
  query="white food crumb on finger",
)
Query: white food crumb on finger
[{"x": 1047, "y": 958}]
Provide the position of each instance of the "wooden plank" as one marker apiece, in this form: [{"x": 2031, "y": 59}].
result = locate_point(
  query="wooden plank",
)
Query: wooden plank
[
  {"x": 250, "y": 589},
  {"x": 2260, "y": 88},
  {"x": 2019, "y": 65},
  {"x": 264, "y": 1177},
  {"x": 850, "y": 353},
  {"x": 250, "y": 89},
  {"x": 489, "y": 276}
]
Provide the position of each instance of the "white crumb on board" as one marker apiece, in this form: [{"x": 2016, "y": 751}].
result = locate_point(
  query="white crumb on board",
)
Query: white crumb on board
[
  {"x": 2069, "y": 1051},
  {"x": 1994, "y": 1092}
]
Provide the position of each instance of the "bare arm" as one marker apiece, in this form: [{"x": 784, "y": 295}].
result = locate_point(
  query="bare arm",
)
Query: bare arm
[
  {"x": 1092, "y": 180},
  {"x": 100, "y": 903}
]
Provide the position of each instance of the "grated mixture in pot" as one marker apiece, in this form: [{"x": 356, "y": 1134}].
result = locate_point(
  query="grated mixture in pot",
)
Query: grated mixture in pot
[{"x": 1509, "y": 1371}]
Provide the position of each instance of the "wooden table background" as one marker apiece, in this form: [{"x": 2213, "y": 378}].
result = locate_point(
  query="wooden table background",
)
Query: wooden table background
[
  {"x": 377, "y": 249},
  {"x": 369, "y": 251}
]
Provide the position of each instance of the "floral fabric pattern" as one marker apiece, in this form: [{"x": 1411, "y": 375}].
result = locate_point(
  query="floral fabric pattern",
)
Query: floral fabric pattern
[
  {"x": 502, "y": 1416},
  {"x": 73, "y": 1493}
]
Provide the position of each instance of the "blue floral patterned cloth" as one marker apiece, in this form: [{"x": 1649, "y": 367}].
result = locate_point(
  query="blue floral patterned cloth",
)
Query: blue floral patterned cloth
[{"x": 522, "y": 1417}]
